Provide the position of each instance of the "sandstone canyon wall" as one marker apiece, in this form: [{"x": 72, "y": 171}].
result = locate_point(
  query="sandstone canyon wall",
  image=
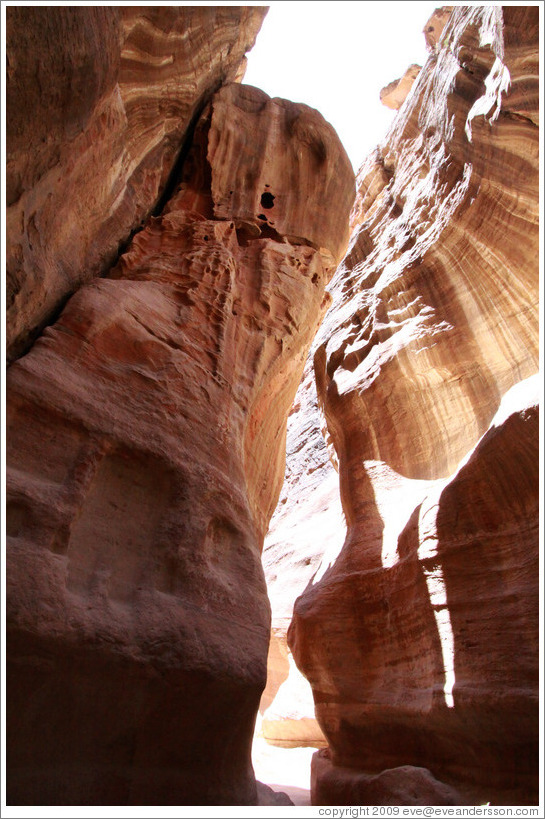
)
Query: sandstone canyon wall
[
  {"x": 419, "y": 632},
  {"x": 146, "y": 423},
  {"x": 100, "y": 103}
]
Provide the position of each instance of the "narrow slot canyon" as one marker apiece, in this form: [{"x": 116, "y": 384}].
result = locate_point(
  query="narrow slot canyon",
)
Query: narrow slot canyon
[{"x": 272, "y": 426}]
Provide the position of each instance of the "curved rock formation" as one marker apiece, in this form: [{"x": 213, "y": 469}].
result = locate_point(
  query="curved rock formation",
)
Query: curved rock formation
[
  {"x": 420, "y": 640},
  {"x": 99, "y": 103},
  {"x": 146, "y": 436},
  {"x": 433, "y": 30}
]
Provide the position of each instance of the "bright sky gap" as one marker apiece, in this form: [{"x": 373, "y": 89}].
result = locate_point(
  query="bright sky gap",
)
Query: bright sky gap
[{"x": 336, "y": 57}]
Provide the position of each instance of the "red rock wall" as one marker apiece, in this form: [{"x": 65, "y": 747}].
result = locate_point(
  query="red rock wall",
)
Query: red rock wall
[
  {"x": 420, "y": 639},
  {"x": 146, "y": 434},
  {"x": 99, "y": 103}
]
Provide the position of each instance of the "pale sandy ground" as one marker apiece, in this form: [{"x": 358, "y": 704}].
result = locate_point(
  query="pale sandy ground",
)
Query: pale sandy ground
[{"x": 283, "y": 769}]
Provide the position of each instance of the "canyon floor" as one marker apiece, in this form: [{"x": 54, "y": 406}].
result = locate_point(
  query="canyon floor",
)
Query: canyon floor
[{"x": 283, "y": 769}]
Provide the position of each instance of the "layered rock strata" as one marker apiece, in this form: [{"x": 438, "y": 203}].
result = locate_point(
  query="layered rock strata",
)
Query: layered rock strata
[
  {"x": 146, "y": 435},
  {"x": 100, "y": 101},
  {"x": 420, "y": 640}
]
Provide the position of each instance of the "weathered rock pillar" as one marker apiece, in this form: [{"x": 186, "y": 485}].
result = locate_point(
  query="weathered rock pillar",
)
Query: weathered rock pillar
[{"x": 146, "y": 434}]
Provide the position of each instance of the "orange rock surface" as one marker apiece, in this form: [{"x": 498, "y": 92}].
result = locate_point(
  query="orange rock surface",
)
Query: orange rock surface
[
  {"x": 146, "y": 433},
  {"x": 433, "y": 30},
  {"x": 100, "y": 100},
  {"x": 420, "y": 638},
  {"x": 395, "y": 93}
]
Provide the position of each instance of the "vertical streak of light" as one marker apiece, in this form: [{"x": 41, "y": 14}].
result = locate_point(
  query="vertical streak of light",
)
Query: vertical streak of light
[
  {"x": 438, "y": 598},
  {"x": 437, "y": 590}
]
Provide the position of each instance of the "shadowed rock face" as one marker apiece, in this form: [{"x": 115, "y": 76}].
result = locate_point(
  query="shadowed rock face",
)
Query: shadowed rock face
[
  {"x": 420, "y": 638},
  {"x": 432, "y": 658},
  {"x": 405, "y": 785},
  {"x": 99, "y": 102},
  {"x": 147, "y": 436}
]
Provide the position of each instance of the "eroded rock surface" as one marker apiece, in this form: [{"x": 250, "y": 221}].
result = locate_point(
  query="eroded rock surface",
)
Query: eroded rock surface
[
  {"x": 420, "y": 638},
  {"x": 406, "y": 785},
  {"x": 433, "y": 30},
  {"x": 99, "y": 103},
  {"x": 146, "y": 433},
  {"x": 395, "y": 93}
]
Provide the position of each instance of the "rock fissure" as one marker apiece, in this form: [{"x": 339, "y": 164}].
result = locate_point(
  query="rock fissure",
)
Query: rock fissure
[
  {"x": 176, "y": 173},
  {"x": 515, "y": 115}
]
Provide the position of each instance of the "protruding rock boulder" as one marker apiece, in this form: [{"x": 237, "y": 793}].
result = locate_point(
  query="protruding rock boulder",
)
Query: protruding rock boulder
[
  {"x": 406, "y": 785},
  {"x": 245, "y": 123},
  {"x": 433, "y": 30},
  {"x": 395, "y": 93}
]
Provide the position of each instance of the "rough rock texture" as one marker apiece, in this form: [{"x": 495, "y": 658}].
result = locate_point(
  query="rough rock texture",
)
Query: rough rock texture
[
  {"x": 431, "y": 659},
  {"x": 99, "y": 103},
  {"x": 433, "y": 30},
  {"x": 268, "y": 796},
  {"x": 420, "y": 639},
  {"x": 406, "y": 785},
  {"x": 146, "y": 434},
  {"x": 270, "y": 196},
  {"x": 395, "y": 93}
]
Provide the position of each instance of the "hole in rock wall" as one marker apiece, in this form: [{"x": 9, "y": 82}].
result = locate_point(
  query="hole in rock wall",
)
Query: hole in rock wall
[{"x": 267, "y": 200}]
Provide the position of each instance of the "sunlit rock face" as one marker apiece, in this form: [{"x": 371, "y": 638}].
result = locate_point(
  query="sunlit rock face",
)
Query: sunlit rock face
[
  {"x": 420, "y": 638},
  {"x": 307, "y": 522},
  {"x": 289, "y": 721},
  {"x": 395, "y": 93},
  {"x": 146, "y": 434},
  {"x": 99, "y": 101},
  {"x": 433, "y": 30}
]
